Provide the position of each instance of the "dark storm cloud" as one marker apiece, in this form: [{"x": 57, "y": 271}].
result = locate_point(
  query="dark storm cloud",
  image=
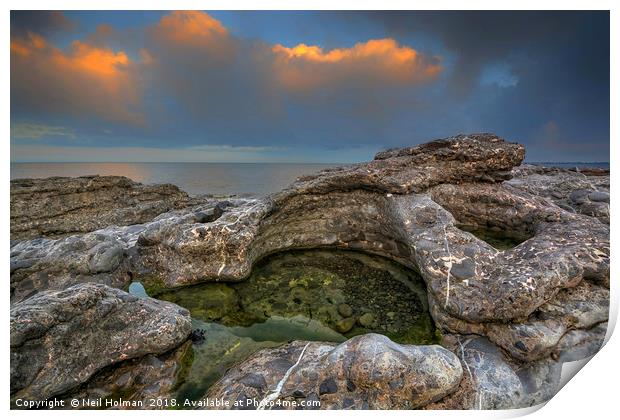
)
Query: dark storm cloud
[
  {"x": 185, "y": 80},
  {"x": 558, "y": 62},
  {"x": 482, "y": 37},
  {"x": 39, "y": 21}
]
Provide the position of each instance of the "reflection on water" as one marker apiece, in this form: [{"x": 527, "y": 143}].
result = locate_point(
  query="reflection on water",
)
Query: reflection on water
[{"x": 194, "y": 178}]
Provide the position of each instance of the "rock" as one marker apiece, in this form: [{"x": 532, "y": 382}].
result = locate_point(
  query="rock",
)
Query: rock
[
  {"x": 104, "y": 256},
  {"x": 489, "y": 381},
  {"x": 581, "y": 343},
  {"x": 341, "y": 207},
  {"x": 518, "y": 255},
  {"x": 60, "y": 339},
  {"x": 579, "y": 196},
  {"x": 57, "y": 206},
  {"x": 345, "y": 310},
  {"x": 100, "y": 257},
  {"x": 571, "y": 190},
  {"x": 336, "y": 207},
  {"x": 540, "y": 381},
  {"x": 345, "y": 325},
  {"x": 367, "y": 371},
  {"x": 601, "y": 196},
  {"x": 148, "y": 378},
  {"x": 572, "y": 311},
  {"x": 367, "y": 320}
]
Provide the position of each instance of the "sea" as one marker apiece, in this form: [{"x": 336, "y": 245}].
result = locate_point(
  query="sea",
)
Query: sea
[{"x": 254, "y": 179}]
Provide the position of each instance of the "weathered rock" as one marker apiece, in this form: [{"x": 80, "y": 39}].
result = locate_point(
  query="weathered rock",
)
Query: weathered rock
[
  {"x": 540, "y": 381},
  {"x": 103, "y": 256},
  {"x": 582, "y": 343},
  {"x": 146, "y": 380},
  {"x": 581, "y": 191},
  {"x": 326, "y": 210},
  {"x": 58, "y": 206},
  {"x": 578, "y": 308},
  {"x": 60, "y": 339},
  {"x": 489, "y": 382},
  {"x": 571, "y": 313},
  {"x": 54, "y": 264},
  {"x": 340, "y": 207},
  {"x": 367, "y": 371}
]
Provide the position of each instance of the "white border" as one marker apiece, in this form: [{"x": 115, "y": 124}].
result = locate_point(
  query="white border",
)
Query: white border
[{"x": 591, "y": 395}]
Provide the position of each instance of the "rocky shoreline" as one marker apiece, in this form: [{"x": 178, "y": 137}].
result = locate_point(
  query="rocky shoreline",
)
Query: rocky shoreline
[{"x": 508, "y": 317}]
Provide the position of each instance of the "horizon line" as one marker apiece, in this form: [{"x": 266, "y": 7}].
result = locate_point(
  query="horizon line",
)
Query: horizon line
[{"x": 276, "y": 162}]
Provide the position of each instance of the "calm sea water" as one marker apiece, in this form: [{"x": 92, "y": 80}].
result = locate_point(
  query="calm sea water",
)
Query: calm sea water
[
  {"x": 194, "y": 178},
  {"x": 570, "y": 165},
  {"x": 204, "y": 178}
]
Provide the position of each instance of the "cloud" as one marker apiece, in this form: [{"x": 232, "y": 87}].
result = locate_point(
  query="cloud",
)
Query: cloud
[
  {"x": 41, "y": 21},
  {"x": 242, "y": 91},
  {"x": 85, "y": 80},
  {"x": 373, "y": 80},
  {"x": 32, "y": 131},
  {"x": 377, "y": 61},
  {"x": 190, "y": 27}
]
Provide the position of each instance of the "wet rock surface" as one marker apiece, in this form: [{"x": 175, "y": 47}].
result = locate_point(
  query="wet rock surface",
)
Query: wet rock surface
[
  {"x": 515, "y": 260},
  {"x": 61, "y": 339},
  {"x": 60, "y": 206}
]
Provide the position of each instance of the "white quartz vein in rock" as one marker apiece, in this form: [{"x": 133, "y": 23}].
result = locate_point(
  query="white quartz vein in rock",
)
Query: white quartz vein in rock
[
  {"x": 276, "y": 393},
  {"x": 447, "y": 244}
]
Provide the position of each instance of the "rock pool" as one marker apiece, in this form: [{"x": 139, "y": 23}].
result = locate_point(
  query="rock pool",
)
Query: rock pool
[{"x": 317, "y": 295}]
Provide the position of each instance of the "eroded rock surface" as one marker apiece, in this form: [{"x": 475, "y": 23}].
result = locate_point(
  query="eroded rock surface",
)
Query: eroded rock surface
[
  {"x": 365, "y": 372},
  {"x": 60, "y": 206},
  {"x": 59, "y": 339},
  {"x": 580, "y": 191},
  {"x": 150, "y": 380}
]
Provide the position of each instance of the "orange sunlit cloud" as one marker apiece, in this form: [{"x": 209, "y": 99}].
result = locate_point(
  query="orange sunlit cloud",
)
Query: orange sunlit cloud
[
  {"x": 191, "y": 29},
  {"x": 85, "y": 79},
  {"x": 378, "y": 61},
  {"x": 189, "y": 25}
]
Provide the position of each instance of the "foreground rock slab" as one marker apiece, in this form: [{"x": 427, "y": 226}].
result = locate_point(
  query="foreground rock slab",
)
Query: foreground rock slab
[
  {"x": 59, "y": 206},
  {"x": 59, "y": 339},
  {"x": 366, "y": 372}
]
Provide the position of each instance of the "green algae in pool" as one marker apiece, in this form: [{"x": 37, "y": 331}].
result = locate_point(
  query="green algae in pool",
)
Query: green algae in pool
[
  {"x": 315, "y": 295},
  {"x": 498, "y": 239}
]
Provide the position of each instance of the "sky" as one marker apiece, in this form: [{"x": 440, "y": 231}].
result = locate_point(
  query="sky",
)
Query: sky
[{"x": 290, "y": 86}]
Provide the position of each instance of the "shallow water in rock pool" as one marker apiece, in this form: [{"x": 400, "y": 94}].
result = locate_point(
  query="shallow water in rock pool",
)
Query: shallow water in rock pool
[{"x": 313, "y": 295}]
